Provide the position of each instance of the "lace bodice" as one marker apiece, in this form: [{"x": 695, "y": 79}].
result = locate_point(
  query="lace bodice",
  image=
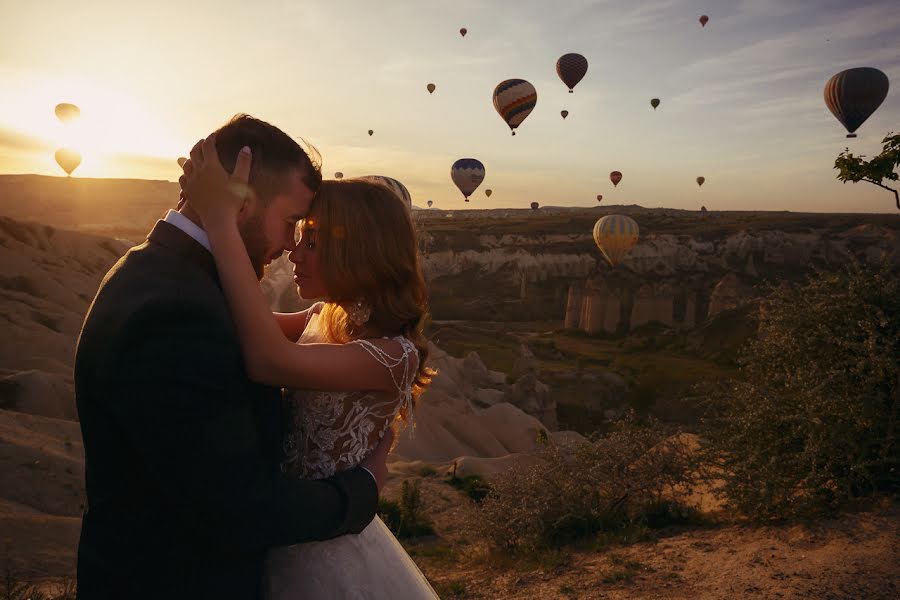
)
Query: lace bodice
[{"x": 329, "y": 432}]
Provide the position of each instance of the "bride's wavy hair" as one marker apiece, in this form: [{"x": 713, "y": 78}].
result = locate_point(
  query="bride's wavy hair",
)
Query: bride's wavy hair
[{"x": 366, "y": 247}]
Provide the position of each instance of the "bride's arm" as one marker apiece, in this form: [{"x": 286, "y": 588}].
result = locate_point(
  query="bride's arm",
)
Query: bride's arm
[
  {"x": 293, "y": 324},
  {"x": 268, "y": 355}
]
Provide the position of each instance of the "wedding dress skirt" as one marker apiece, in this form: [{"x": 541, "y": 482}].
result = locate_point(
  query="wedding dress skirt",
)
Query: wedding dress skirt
[{"x": 369, "y": 566}]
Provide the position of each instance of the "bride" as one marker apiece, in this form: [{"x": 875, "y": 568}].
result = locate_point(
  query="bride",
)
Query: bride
[{"x": 351, "y": 367}]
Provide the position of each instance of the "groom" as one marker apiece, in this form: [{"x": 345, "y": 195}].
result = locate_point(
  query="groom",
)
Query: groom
[{"x": 184, "y": 490}]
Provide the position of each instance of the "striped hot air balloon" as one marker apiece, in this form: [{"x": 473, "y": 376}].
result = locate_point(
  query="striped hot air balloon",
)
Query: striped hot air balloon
[
  {"x": 392, "y": 184},
  {"x": 615, "y": 177},
  {"x": 615, "y": 236},
  {"x": 467, "y": 174},
  {"x": 514, "y": 99},
  {"x": 571, "y": 68},
  {"x": 853, "y": 95}
]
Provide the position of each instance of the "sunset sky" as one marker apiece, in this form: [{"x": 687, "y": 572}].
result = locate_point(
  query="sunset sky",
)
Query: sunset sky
[{"x": 741, "y": 98}]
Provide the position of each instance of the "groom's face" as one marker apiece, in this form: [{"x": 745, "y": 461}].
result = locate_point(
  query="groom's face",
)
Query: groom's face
[{"x": 268, "y": 228}]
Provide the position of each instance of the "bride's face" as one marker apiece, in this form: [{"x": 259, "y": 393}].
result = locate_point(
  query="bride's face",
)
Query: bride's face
[{"x": 306, "y": 262}]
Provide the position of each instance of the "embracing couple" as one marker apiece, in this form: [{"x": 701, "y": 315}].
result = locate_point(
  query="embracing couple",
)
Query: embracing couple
[{"x": 236, "y": 453}]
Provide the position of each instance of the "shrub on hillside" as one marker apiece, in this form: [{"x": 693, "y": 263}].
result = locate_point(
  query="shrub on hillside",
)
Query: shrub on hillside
[
  {"x": 405, "y": 518},
  {"x": 811, "y": 425},
  {"x": 609, "y": 484}
]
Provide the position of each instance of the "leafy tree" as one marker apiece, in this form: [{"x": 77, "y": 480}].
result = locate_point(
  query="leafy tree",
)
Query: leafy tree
[
  {"x": 854, "y": 168},
  {"x": 811, "y": 424}
]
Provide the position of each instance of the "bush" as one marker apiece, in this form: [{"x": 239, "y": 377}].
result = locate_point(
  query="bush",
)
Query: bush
[
  {"x": 610, "y": 484},
  {"x": 811, "y": 425},
  {"x": 405, "y": 518},
  {"x": 473, "y": 486}
]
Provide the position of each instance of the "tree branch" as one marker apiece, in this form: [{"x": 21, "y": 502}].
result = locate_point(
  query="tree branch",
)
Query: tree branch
[{"x": 896, "y": 195}]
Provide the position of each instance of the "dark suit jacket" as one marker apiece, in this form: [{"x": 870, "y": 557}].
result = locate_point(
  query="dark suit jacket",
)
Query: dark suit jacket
[{"x": 184, "y": 491}]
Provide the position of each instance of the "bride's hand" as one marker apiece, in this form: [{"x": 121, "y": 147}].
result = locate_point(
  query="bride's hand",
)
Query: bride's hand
[{"x": 209, "y": 189}]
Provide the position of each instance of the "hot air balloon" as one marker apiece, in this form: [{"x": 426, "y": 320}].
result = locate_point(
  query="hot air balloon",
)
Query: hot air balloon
[
  {"x": 615, "y": 177},
  {"x": 467, "y": 174},
  {"x": 654, "y": 103},
  {"x": 68, "y": 159},
  {"x": 371, "y": 132},
  {"x": 181, "y": 161},
  {"x": 700, "y": 181},
  {"x": 571, "y": 69},
  {"x": 703, "y": 209},
  {"x": 338, "y": 175},
  {"x": 430, "y": 87},
  {"x": 66, "y": 112},
  {"x": 395, "y": 186},
  {"x": 615, "y": 236},
  {"x": 703, "y": 20},
  {"x": 853, "y": 95},
  {"x": 463, "y": 32},
  {"x": 488, "y": 192},
  {"x": 599, "y": 197},
  {"x": 430, "y": 202},
  {"x": 564, "y": 113},
  {"x": 514, "y": 99},
  {"x": 534, "y": 205}
]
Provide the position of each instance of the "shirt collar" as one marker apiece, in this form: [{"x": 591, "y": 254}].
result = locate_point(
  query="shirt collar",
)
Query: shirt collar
[{"x": 173, "y": 217}]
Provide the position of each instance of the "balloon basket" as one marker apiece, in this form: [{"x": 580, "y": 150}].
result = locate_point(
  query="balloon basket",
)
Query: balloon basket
[{"x": 851, "y": 135}]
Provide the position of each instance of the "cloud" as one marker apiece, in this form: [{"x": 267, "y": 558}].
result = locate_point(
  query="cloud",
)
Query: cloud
[{"x": 17, "y": 140}]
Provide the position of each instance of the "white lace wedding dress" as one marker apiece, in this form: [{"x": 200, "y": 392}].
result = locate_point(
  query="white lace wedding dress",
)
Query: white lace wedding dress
[{"x": 331, "y": 432}]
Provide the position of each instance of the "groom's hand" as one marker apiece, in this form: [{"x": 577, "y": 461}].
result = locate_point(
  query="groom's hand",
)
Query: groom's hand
[{"x": 376, "y": 462}]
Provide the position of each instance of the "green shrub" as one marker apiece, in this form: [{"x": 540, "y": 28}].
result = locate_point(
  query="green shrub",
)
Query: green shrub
[
  {"x": 405, "y": 517},
  {"x": 811, "y": 424},
  {"x": 473, "y": 486}
]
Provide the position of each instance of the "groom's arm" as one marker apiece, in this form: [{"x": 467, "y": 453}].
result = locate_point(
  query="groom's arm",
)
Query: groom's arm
[{"x": 181, "y": 400}]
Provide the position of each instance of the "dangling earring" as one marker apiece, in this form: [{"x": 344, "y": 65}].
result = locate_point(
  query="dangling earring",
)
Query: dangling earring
[{"x": 359, "y": 312}]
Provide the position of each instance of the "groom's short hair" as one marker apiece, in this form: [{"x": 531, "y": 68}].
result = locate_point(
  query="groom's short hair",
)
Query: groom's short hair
[{"x": 275, "y": 154}]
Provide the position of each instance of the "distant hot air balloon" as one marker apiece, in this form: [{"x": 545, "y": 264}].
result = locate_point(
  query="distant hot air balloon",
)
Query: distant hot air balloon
[
  {"x": 181, "y": 161},
  {"x": 371, "y": 131},
  {"x": 463, "y": 32},
  {"x": 395, "y": 186},
  {"x": 430, "y": 202},
  {"x": 66, "y": 112},
  {"x": 703, "y": 209},
  {"x": 564, "y": 113},
  {"x": 599, "y": 197},
  {"x": 534, "y": 205},
  {"x": 338, "y": 175},
  {"x": 615, "y": 177},
  {"x": 488, "y": 192},
  {"x": 467, "y": 174},
  {"x": 571, "y": 68},
  {"x": 431, "y": 87},
  {"x": 853, "y": 95},
  {"x": 654, "y": 103},
  {"x": 700, "y": 181},
  {"x": 703, "y": 20},
  {"x": 615, "y": 236},
  {"x": 68, "y": 159},
  {"x": 514, "y": 99}
]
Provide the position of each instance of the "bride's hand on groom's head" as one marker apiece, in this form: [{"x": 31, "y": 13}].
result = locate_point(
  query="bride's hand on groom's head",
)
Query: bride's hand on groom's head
[{"x": 209, "y": 189}]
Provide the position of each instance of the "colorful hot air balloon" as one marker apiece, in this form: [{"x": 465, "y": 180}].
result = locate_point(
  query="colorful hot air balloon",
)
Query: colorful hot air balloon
[
  {"x": 430, "y": 87},
  {"x": 395, "y": 186},
  {"x": 68, "y": 159},
  {"x": 853, "y": 95},
  {"x": 571, "y": 68},
  {"x": 700, "y": 181},
  {"x": 534, "y": 205},
  {"x": 514, "y": 99},
  {"x": 564, "y": 113},
  {"x": 654, "y": 103},
  {"x": 615, "y": 236},
  {"x": 66, "y": 112},
  {"x": 371, "y": 132},
  {"x": 467, "y": 174},
  {"x": 338, "y": 175},
  {"x": 703, "y": 20},
  {"x": 463, "y": 32},
  {"x": 615, "y": 177},
  {"x": 181, "y": 161},
  {"x": 599, "y": 197},
  {"x": 488, "y": 192},
  {"x": 430, "y": 202}
]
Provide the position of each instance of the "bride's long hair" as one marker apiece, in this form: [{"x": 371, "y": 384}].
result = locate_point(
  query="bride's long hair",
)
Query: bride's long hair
[{"x": 366, "y": 248}]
